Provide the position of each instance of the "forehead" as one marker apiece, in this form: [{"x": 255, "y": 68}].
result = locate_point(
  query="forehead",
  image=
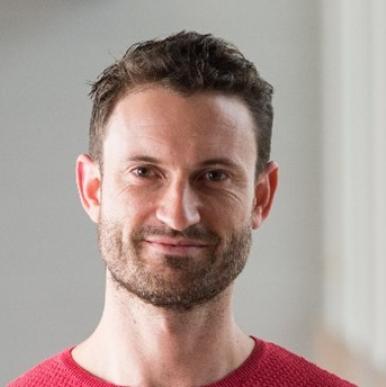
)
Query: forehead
[{"x": 160, "y": 121}]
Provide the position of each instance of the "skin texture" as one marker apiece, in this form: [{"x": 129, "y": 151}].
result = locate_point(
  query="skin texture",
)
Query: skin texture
[{"x": 174, "y": 210}]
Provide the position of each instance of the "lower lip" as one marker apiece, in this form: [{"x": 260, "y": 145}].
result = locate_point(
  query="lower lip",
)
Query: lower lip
[{"x": 175, "y": 249}]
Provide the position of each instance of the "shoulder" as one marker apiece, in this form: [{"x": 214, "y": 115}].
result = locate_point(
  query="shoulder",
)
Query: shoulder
[
  {"x": 51, "y": 370},
  {"x": 288, "y": 368}
]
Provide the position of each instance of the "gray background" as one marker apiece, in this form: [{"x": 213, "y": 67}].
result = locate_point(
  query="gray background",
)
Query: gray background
[{"x": 51, "y": 276}]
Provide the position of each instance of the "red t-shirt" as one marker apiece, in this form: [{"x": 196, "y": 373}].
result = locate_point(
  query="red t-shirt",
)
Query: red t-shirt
[{"x": 267, "y": 366}]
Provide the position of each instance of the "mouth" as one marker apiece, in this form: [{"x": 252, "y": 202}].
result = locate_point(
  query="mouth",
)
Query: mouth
[{"x": 176, "y": 246}]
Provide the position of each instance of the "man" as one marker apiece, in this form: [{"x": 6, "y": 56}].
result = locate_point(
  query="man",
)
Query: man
[{"x": 177, "y": 176}]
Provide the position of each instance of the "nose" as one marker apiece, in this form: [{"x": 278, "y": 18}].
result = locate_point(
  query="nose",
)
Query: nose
[{"x": 178, "y": 207}]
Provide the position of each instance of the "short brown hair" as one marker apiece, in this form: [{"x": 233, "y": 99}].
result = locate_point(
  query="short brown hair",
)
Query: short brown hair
[{"x": 186, "y": 62}]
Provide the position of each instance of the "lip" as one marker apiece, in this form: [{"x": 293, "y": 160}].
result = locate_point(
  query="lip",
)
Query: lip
[
  {"x": 176, "y": 246},
  {"x": 176, "y": 242}
]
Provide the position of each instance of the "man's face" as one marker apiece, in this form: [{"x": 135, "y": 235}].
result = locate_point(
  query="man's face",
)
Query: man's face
[{"x": 177, "y": 195}]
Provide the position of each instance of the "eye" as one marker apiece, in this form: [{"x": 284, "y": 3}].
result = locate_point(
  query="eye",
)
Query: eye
[
  {"x": 143, "y": 171},
  {"x": 215, "y": 175}
]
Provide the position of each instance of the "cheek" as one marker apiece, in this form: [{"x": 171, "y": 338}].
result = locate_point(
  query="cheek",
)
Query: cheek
[
  {"x": 123, "y": 204},
  {"x": 232, "y": 212}
]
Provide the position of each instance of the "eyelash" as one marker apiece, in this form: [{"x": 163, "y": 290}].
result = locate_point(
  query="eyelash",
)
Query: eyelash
[
  {"x": 217, "y": 171},
  {"x": 225, "y": 175},
  {"x": 135, "y": 171}
]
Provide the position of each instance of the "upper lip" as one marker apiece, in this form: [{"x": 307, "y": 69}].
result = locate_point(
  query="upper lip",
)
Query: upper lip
[{"x": 175, "y": 242}]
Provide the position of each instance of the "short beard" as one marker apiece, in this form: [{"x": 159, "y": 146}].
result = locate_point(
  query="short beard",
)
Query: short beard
[{"x": 196, "y": 281}]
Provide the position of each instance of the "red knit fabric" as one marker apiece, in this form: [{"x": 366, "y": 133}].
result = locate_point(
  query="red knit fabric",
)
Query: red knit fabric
[{"x": 267, "y": 366}]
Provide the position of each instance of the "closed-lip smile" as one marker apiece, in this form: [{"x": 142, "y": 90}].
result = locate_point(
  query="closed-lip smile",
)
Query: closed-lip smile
[{"x": 177, "y": 242}]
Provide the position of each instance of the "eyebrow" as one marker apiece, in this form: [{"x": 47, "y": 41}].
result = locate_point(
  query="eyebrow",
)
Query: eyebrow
[
  {"x": 217, "y": 160},
  {"x": 222, "y": 161},
  {"x": 147, "y": 159}
]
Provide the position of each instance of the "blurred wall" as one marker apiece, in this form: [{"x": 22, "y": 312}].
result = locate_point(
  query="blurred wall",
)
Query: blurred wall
[
  {"x": 353, "y": 86},
  {"x": 51, "y": 276}
]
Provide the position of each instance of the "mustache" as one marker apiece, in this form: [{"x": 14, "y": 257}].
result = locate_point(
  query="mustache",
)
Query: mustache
[{"x": 193, "y": 232}]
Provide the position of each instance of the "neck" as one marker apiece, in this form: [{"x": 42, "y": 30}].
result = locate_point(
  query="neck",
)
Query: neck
[{"x": 163, "y": 347}]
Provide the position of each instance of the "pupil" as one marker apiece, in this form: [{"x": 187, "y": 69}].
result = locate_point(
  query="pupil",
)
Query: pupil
[
  {"x": 142, "y": 171},
  {"x": 215, "y": 175}
]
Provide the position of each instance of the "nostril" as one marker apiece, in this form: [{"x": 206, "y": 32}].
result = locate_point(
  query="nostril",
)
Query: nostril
[{"x": 177, "y": 220}]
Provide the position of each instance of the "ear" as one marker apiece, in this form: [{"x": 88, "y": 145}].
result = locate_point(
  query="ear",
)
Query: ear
[
  {"x": 265, "y": 189},
  {"x": 88, "y": 180}
]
